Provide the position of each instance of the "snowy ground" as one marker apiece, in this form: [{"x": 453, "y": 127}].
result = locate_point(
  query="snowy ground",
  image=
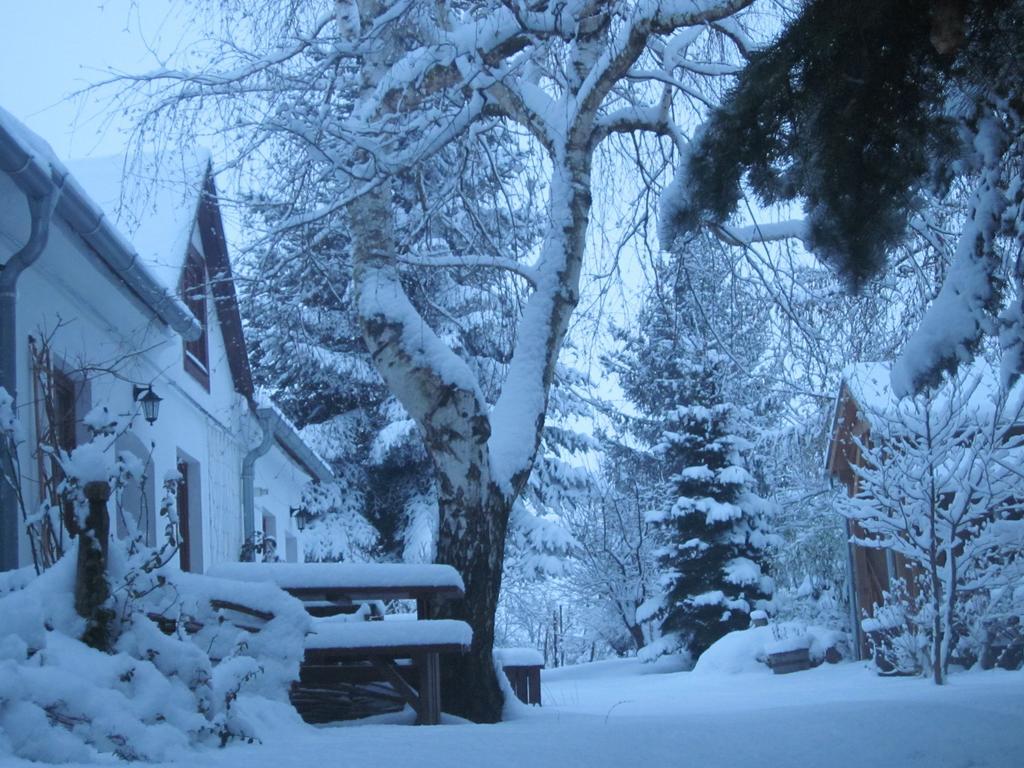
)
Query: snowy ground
[{"x": 622, "y": 713}]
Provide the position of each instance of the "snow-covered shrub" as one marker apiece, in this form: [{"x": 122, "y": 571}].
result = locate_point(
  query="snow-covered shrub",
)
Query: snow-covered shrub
[
  {"x": 155, "y": 693},
  {"x": 809, "y": 559},
  {"x": 179, "y": 658},
  {"x": 813, "y": 601},
  {"x": 993, "y": 628},
  {"x": 259, "y": 547},
  {"x": 897, "y": 633}
]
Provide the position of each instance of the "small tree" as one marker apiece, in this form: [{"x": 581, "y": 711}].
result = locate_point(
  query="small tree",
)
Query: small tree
[
  {"x": 938, "y": 486},
  {"x": 614, "y": 564}
]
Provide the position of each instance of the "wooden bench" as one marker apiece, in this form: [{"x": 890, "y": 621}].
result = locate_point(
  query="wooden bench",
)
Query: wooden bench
[
  {"x": 342, "y": 650},
  {"x": 383, "y": 643}
]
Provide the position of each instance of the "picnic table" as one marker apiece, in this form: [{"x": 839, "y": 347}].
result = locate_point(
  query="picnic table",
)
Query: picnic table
[{"x": 330, "y": 590}]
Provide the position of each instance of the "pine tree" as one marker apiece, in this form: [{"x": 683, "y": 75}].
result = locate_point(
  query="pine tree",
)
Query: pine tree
[
  {"x": 714, "y": 537},
  {"x": 872, "y": 115},
  {"x": 695, "y": 399}
]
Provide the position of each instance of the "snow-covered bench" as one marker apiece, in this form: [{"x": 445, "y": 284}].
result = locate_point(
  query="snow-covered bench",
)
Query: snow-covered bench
[
  {"x": 522, "y": 667},
  {"x": 330, "y": 588},
  {"x": 334, "y": 643},
  {"x": 342, "y": 648}
]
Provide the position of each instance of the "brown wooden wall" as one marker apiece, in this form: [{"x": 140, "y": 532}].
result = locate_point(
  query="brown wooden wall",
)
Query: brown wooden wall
[{"x": 869, "y": 566}]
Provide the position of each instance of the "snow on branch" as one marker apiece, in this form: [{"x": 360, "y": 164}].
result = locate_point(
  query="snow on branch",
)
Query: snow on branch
[
  {"x": 653, "y": 119},
  {"x": 793, "y": 229},
  {"x": 523, "y": 270},
  {"x": 666, "y": 79},
  {"x": 648, "y": 18},
  {"x": 220, "y": 82},
  {"x": 733, "y": 30},
  {"x": 962, "y": 312}
]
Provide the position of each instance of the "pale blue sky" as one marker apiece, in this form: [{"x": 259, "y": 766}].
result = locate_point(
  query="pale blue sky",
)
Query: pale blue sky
[{"x": 50, "y": 48}]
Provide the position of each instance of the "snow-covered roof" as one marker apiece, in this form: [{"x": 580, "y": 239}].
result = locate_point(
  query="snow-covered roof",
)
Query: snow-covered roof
[
  {"x": 288, "y": 436},
  {"x": 154, "y": 200},
  {"x": 870, "y": 385},
  {"x": 158, "y": 200},
  {"x": 36, "y": 169},
  {"x": 38, "y": 147}
]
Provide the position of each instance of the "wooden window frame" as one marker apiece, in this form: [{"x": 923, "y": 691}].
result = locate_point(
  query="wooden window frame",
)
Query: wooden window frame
[
  {"x": 194, "y": 288},
  {"x": 184, "y": 512},
  {"x": 65, "y": 407}
]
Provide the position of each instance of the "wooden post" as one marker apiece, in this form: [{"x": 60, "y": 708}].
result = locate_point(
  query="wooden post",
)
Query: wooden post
[
  {"x": 92, "y": 590},
  {"x": 422, "y": 608},
  {"x": 430, "y": 688}
]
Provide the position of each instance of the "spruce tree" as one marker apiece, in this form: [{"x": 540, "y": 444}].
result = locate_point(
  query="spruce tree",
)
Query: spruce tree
[
  {"x": 712, "y": 521},
  {"x": 875, "y": 117},
  {"x": 696, "y": 399}
]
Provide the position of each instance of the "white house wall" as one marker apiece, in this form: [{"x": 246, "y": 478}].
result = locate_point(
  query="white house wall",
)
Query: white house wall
[
  {"x": 278, "y": 489},
  {"x": 93, "y": 320}
]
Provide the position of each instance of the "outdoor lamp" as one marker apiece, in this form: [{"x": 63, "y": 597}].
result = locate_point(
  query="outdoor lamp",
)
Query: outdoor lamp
[
  {"x": 150, "y": 401},
  {"x": 301, "y": 516}
]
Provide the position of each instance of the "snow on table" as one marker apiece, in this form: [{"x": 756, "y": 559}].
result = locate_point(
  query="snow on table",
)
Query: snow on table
[
  {"x": 519, "y": 657},
  {"x": 361, "y": 577},
  {"x": 391, "y": 635}
]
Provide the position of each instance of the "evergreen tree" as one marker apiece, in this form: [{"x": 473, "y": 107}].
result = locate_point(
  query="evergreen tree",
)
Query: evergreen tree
[
  {"x": 866, "y": 114},
  {"x": 712, "y": 523},
  {"x": 695, "y": 403}
]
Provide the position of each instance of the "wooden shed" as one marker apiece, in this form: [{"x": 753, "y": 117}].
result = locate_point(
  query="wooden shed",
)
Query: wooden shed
[{"x": 871, "y": 569}]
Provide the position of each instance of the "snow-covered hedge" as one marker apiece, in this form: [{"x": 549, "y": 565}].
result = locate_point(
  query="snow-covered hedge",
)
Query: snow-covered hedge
[{"x": 61, "y": 700}]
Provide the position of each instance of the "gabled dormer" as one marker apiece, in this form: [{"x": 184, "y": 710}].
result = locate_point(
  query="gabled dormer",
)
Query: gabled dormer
[
  {"x": 194, "y": 288},
  {"x": 168, "y": 206}
]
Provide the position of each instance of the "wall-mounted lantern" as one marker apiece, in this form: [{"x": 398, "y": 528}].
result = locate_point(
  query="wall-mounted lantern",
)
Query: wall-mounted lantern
[
  {"x": 302, "y": 517},
  {"x": 150, "y": 401}
]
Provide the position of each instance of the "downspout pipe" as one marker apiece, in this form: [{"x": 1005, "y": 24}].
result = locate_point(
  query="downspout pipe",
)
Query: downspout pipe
[
  {"x": 266, "y": 417},
  {"x": 41, "y": 212}
]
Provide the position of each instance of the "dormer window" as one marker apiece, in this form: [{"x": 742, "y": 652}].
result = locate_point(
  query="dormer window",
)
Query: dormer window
[{"x": 197, "y": 353}]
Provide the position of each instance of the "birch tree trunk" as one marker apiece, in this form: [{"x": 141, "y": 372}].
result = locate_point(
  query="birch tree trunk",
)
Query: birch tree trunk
[
  {"x": 440, "y": 393},
  {"x": 933, "y": 550}
]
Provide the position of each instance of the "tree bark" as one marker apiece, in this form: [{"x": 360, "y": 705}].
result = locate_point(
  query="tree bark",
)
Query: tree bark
[
  {"x": 439, "y": 392},
  {"x": 933, "y": 557},
  {"x": 949, "y": 636},
  {"x": 469, "y": 682}
]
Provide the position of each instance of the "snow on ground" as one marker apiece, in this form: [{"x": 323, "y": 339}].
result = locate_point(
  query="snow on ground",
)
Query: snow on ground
[{"x": 623, "y": 713}]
